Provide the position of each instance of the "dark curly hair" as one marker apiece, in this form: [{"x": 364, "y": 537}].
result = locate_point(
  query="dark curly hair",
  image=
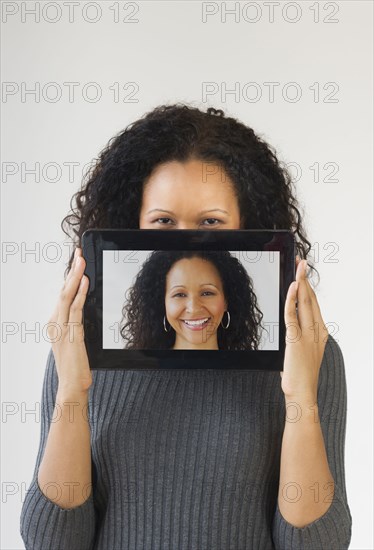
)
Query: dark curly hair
[
  {"x": 143, "y": 312},
  {"x": 112, "y": 188}
]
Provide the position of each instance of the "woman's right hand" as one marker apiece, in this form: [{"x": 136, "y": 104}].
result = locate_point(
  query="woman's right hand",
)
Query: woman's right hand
[{"x": 69, "y": 350}]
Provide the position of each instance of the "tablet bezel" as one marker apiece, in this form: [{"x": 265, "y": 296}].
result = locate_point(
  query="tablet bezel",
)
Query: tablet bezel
[{"x": 94, "y": 241}]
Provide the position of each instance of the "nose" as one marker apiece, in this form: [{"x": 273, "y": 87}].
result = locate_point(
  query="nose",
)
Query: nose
[
  {"x": 187, "y": 226},
  {"x": 193, "y": 304}
]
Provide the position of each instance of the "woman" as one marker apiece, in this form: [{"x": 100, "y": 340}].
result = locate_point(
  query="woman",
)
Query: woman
[
  {"x": 190, "y": 459},
  {"x": 191, "y": 300}
]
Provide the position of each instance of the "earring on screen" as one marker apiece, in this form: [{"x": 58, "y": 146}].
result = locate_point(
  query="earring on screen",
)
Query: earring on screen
[
  {"x": 228, "y": 321},
  {"x": 166, "y": 330}
]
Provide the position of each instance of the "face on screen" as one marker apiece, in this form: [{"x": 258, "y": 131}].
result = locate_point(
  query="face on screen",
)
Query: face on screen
[
  {"x": 194, "y": 303},
  {"x": 184, "y": 299}
]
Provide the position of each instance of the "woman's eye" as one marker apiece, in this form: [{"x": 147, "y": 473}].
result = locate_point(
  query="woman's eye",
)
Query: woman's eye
[
  {"x": 182, "y": 293},
  {"x": 212, "y": 219},
  {"x": 164, "y": 221},
  {"x": 158, "y": 219}
]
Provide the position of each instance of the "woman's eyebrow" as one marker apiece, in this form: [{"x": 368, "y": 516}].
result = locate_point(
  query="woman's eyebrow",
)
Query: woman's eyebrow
[
  {"x": 202, "y": 284},
  {"x": 213, "y": 210},
  {"x": 159, "y": 210},
  {"x": 199, "y": 213}
]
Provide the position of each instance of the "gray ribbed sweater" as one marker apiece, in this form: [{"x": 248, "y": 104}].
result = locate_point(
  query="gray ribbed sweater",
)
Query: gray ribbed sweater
[{"x": 190, "y": 460}]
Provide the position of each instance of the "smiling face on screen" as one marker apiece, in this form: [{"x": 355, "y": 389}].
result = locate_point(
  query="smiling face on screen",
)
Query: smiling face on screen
[{"x": 194, "y": 303}]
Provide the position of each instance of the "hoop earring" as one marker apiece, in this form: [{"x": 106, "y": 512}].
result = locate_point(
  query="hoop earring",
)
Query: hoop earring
[
  {"x": 165, "y": 329},
  {"x": 228, "y": 321}
]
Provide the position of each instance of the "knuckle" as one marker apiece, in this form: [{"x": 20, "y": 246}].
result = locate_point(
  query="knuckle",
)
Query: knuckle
[
  {"x": 307, "y": 300},
  {"x": 65, "y": 293},
  {"x": 74, "y": 308}
]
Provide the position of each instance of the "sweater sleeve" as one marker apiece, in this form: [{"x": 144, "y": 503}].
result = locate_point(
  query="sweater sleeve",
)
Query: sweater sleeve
[
  {"x": 44, "y": 524},
  {"x": 331, "y": 531}
]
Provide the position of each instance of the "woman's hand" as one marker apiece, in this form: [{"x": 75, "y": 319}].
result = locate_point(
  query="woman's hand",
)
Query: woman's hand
[
  {"x": 306, "y": 337},
  {"x": 66, "y": 331}
]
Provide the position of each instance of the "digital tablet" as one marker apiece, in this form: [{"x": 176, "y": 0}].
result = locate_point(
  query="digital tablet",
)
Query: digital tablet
[{"x": 187, "y": 299}]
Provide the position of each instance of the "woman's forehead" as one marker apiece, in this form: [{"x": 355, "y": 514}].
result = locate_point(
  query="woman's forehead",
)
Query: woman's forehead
[
  {"x": 196, "y": 269},
  {"x": 179, "y": 188}
]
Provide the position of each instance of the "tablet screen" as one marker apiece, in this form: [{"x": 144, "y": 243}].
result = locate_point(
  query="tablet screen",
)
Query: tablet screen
[
  {"x": 187, "y": 299},
  {"x": 193, "y": 300}
]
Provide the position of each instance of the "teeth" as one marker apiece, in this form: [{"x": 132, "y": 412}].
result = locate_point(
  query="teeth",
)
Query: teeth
[{"x": 194, "y": 323}]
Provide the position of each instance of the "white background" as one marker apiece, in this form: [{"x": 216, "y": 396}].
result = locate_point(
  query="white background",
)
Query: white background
[{"x": 169, "y": 53}]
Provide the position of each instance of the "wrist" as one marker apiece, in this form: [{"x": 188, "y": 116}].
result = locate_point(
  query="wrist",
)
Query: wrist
[
  {"x": 304, "y": 398},
  {"x": 68, "y": 393},
  {"x": 303, "y": 408}
]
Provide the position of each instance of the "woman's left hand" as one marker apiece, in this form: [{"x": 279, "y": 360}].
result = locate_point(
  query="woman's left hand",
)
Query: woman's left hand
[{"x": 306, "y": 337}]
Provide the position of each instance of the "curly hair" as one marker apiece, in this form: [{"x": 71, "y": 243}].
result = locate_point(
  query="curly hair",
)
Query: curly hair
[
  {"x": 112, "y": 188},
  {"x": 144, "y": 310}
]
